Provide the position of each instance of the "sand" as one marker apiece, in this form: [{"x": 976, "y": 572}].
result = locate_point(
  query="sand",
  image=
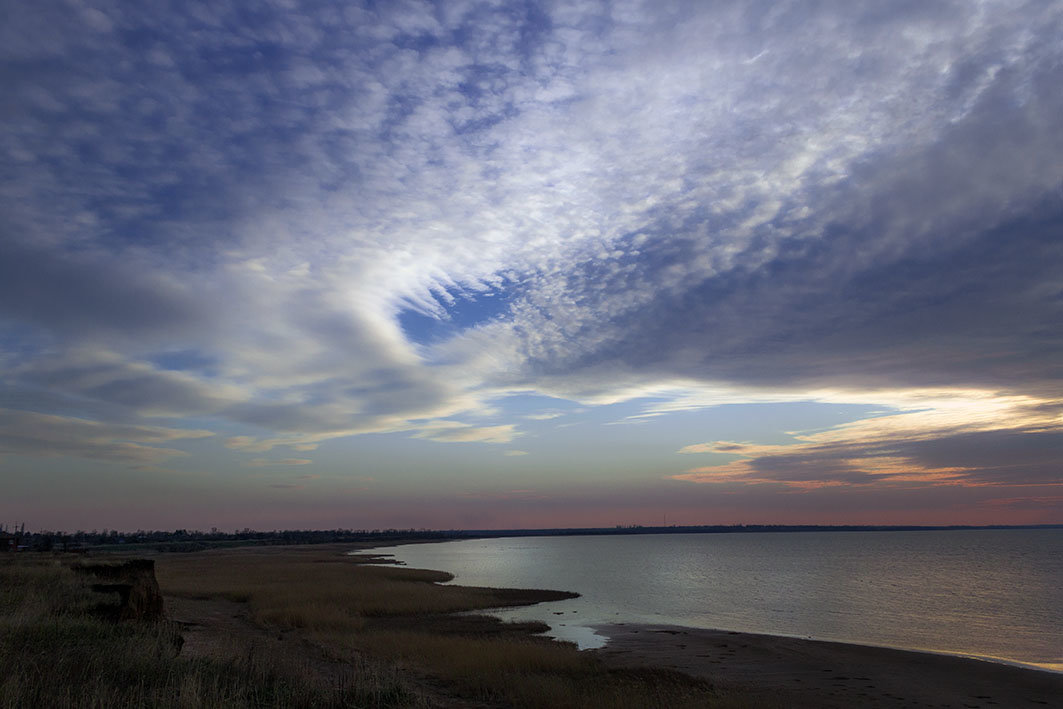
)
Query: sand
[{"x": 774, "y": 671}]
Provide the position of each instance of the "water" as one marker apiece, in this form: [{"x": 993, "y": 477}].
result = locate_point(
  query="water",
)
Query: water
[{"x": 995, "y": 594}]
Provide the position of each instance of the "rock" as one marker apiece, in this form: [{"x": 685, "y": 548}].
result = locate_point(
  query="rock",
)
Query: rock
[{"x": 134, "y": 580}]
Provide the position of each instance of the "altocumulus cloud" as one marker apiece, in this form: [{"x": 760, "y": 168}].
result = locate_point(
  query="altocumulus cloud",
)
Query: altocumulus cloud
[{"x": 224, "y": 212}]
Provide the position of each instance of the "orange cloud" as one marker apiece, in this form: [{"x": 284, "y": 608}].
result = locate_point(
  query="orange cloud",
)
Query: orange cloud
[{"x": 970, "y": 439}]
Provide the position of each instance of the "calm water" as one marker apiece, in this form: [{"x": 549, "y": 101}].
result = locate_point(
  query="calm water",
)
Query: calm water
[{"x": 994, "y": 594}]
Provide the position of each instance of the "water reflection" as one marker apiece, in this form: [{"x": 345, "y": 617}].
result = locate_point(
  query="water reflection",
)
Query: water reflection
[{"x": 985, "y": 593}]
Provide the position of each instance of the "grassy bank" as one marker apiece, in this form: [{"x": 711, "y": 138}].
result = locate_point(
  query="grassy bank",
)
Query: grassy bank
[
  {"x": 60, "y": 647},
  {"x": 303, "y": 626}
]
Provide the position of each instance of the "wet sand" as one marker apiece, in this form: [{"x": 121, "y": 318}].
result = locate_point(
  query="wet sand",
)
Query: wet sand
[{"x": 772, "y": 671}]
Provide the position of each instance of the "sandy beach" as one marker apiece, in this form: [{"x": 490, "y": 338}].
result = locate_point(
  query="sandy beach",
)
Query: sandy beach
[{"x": 774, "y": 671}]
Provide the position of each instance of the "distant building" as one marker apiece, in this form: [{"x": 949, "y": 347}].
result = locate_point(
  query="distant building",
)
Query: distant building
[{"x": 12, "y": 541}]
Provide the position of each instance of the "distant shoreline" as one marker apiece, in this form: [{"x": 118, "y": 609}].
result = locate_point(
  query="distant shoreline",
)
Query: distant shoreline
[
  {"x": 727, "y": 529},
  {"x": 183, "y": 540}
]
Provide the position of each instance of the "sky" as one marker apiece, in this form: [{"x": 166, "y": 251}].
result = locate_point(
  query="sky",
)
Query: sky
[{"x": 472, "y": 264}]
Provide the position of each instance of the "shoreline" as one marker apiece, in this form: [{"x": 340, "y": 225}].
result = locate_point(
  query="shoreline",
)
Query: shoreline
[
  {"x": 372, "y": 628},
  {"x": 768, "y": 670},
  {"x": 776, "y": 670},
  {"x": 1018, "y": 664},
  {"x": 592, "y": 622}
]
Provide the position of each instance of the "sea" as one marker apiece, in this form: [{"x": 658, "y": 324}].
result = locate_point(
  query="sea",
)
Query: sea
[{"x": 991, "y": 594}]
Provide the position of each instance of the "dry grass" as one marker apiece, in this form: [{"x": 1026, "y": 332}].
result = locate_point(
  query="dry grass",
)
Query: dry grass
[
  {"x": 520, "y": 671},
  {"x": 400, "y": 615},
  {"x": 321, "y": 589},
  {"x": 58, "y": 650},
  {"x": 354, "y": 636}
]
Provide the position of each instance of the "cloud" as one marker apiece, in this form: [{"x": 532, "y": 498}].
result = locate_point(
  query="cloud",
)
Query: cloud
[
  {"x": 846, "y": 240},
  {"x": 91, "y": 296},
  {"x": 714, "y": 447},
  {"x": 515, "y": 453},
  {"x": 264, "y": 462},
  {"x": 239, "y": 442},
  {"x": 456, "y": 432},
  {"x": 111, "y": 211},
  {"x": 108, "y": 378},
  {"x": 662, "y": 198},
  {"x": 997, "y": 442},
  {"x": 27, "y": 433}
]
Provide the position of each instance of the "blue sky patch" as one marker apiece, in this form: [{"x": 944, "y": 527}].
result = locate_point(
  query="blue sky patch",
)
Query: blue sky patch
[{"x": 467, "y": 310}]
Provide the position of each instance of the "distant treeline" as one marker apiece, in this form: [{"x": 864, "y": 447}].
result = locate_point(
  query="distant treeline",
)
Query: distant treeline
[{"x": 192, "y": 540}]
